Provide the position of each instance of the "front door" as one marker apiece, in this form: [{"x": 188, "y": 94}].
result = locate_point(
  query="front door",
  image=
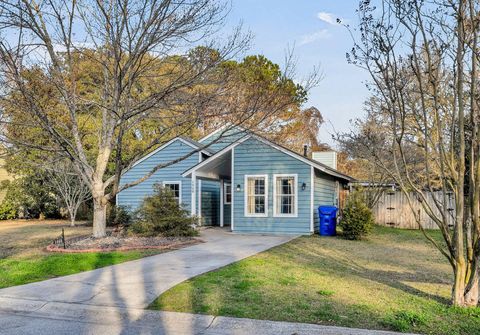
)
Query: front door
[{"x": 210, "y": 202}]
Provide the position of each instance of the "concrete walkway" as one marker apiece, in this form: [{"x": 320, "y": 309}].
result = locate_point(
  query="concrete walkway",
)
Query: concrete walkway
[
  {"x": 137, "y": 283},
  {"x": 111, "y": 300}
]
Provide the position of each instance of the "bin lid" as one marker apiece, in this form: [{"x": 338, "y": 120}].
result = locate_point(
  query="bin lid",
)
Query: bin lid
[{"x": 327, "y": 209}]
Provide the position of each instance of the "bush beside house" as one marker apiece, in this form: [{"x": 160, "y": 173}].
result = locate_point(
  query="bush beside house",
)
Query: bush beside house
[
  {"x": 160, "y": 214},
  {"x": 357, "y": 220},
  {"x": 118, "y": 216}
]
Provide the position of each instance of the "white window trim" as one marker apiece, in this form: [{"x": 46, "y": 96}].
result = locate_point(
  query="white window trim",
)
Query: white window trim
[
  {"x": 179, "y": 182},
  {"x": 295, "y": 194},
  {"x": 245, "y": 191},
  {"x": 225, "y": 184}
]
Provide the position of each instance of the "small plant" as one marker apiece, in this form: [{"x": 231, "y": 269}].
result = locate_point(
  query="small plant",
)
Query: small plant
[
  {"x": 357, "y": 219},
  {"x": 160, "y": 214},
  {"x": 325, "y": 293},
  {"x": 119, "y": 216},
  {"x": 405, "y": 321}
]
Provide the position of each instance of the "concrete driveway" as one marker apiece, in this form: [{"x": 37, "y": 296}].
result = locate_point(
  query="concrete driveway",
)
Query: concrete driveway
[
  {"x": 137, "y": 283},
  {"x": 111, "y": 300}
]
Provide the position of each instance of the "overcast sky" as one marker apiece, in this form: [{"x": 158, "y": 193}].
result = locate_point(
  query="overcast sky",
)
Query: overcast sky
[{"x": 311, "y": 26}]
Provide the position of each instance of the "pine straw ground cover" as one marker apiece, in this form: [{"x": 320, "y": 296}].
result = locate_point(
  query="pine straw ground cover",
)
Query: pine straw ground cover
[
  {"x": 394, "y": 280},
  {"x": 120, "y": 241},
  {"x": 23, "y": 258}
]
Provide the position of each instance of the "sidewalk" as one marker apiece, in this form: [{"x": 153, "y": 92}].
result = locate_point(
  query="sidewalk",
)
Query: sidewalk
[{"x": 36, "y": 318}]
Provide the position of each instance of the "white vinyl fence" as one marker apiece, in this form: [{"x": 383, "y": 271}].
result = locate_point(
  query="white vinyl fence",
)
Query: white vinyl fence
[{"x": 393, "y": 210}]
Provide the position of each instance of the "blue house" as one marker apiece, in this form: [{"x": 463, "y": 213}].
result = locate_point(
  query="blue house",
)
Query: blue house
[{"x": 241, "y": 180}]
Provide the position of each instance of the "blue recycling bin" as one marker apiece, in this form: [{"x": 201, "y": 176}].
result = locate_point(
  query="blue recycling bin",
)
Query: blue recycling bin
[{"x": 328, "y": 220}]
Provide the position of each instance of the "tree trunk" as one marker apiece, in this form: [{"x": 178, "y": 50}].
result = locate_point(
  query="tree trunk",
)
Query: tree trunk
[
  {"x": 458, "y": 289},
  {"x": 72, "y": 217},
  {"x": 471, "y": 298},
  {"x": 459, "y": 297},
  {"x": 99, "y": 216}
]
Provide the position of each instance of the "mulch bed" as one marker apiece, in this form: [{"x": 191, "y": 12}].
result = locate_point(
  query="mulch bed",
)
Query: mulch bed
[{"x": 110, "y": 243}]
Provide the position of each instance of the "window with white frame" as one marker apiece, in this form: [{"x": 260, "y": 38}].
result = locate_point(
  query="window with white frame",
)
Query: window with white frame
[
  {"x": 176, "y": 188},
  {"x": 285, "y": 195},
  {"x": 256, "y": 195},
  {"x": 227, "y": 193}
]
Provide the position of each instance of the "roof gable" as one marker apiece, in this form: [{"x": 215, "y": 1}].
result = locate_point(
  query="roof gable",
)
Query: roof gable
[
  {"x": 190, "y": 143},
  {"x": 319, "y": 166}
]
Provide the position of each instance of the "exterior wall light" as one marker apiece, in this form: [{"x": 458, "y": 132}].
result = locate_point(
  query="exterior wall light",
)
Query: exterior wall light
[
  {"x": 304, "y": 186},
  {"x": 238, "y": 188}
]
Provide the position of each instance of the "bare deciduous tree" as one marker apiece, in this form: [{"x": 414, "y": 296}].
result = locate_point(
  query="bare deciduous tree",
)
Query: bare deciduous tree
[
  {"x": 143, "y": 78},
  {"x": 423, "y": 60},
  {"x": 70, "y": 186},
  {"x": 363, "y": 158}
]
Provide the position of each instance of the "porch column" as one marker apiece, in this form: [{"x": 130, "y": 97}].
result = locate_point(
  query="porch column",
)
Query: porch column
[
  {"x": 221, "y": 202},
  {"x": 199, "y": 191},
  {"x": 194, "y": 194}
]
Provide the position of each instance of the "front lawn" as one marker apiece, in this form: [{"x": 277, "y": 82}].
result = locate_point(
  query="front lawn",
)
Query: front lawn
[
  {"x": 394, "y": 280},
  {"x": 23, "y": 259}
]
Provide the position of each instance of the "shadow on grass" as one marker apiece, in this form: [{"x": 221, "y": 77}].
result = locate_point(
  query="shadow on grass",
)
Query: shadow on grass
[
  {"x": 288, "y": 283},
  {"x": 244, "y": 297},
  {"x": 342, "y": 261}
]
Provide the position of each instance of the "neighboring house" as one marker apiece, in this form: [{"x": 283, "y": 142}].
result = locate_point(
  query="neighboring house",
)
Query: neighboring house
[{"x": 241, "y": 180}]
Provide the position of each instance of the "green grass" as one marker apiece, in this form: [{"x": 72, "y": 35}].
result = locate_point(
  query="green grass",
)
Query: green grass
[
  {"x": 30, "y": 269},
  {"x": 394, "y": 280},
  {"x": 23, "y": 259}
]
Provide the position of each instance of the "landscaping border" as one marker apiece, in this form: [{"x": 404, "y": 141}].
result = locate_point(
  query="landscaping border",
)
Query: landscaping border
[{"x": 177, "y": 245}]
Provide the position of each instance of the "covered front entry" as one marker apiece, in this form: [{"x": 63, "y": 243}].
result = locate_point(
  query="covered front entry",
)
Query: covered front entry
[{"x": 213, "y": 178}]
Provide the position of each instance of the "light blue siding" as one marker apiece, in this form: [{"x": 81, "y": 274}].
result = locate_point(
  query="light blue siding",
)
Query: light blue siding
[
  {"x": 227, "y": 138},
  {"x": 254, "y": 157},
  {"x": 324, "y": 194},
  {"x": 133, "y": 196}
]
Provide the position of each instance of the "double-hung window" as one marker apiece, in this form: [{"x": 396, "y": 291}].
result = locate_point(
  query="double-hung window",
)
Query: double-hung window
[
  {"x": 256, "y": 195},
  {"x": 176, "y": 188},
  {"x": 285, "y": 195}
]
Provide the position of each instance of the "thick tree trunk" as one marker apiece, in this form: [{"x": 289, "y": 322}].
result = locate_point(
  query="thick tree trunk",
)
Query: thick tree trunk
[
  {"x": 99, "y": 216},
  {"x": 458, "y": 289},
  {"x": 459, "y": 297},
  {"x": 471, "y": 298}
]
